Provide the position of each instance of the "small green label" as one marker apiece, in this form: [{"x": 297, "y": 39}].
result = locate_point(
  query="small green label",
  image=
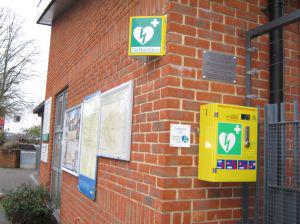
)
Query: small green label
[
  {"x": 146, "y": 35},
  {"x": 45, "y": 137},
  {"x": 229, "y": 139}
]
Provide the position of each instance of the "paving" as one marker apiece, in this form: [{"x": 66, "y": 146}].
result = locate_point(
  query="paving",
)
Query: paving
[
  {"x": 10, "y": 179},
  {"x": 3, "y": 218}
]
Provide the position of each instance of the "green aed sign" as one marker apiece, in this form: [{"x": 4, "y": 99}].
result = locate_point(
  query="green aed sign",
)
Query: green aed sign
[
  {"x": 229, "y": 139},
  {"x": 147, "y": 36}
]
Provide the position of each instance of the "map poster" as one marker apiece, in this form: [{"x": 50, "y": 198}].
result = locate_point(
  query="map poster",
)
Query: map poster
[
  {"x": 116, "y": 119},
  {"x": 71, "y": 140},
  {"x": 46, "y": 121},
  {"x": 89, "y": 145}
]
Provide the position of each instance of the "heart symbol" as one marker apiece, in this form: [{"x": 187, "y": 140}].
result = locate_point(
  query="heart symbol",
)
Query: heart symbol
[
  {"x": 227, "y": 141},
  {"x": 143, "y": 35}
]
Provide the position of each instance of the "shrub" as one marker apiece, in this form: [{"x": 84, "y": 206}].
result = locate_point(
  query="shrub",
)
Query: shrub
[
  {"x": 29, "y": 205},
  {"x": 12, "y": 144}
]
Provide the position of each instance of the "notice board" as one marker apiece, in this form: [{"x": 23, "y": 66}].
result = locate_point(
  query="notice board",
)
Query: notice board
[
  {"x": 116, "y": 120},
  {"x": 71, "y": 140},
  {"x": 89, "y": 145}
]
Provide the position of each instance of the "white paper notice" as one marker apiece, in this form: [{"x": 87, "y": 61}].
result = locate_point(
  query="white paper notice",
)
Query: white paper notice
[
  {"x": 180, "y": 135},
  {"x": 44, "y": 153},
  {"x": 47, "y": 116}
]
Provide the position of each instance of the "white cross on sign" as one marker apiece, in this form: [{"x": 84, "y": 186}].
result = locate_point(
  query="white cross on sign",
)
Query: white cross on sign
[
  {"x": 155, "y": 23},
  {"x": 237, "y": 129}
]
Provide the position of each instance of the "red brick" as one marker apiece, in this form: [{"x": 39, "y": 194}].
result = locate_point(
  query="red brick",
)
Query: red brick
[
  {"x": 190, "y": 105},
  {"x": 167, "y": 81},
  {"x": 199, "y": 216},
  {"x": 218, "y": 215},
  {"x": 163, "y": 171},
  {"x": 198, "y": 22},
  {"x": 222, "y": 88},
  {"x": 209, "y": 35},
  {"x": 166, "y": 103},
  {"x": 211, "y": 16},
  {"x": 195, "y": 84},
  {"x": 223, "y": 9},
  {"x": 191, "y": 194},
  {"x": 178, "y": 93},
  {"x": 188, "y": 171},
  {"x": 176, "y": 206},
  {"x": 175, "y": 160},
  {"x": 235, "y": 22},
  {"x": 206, "y": 204},
  {"x": 222, "y": 48},
  {"x": 218, "y": 27},
  {"x": 194, "y": 42},
  {"x": 176, "y": 183},
  {"x": 230, "y": 203},
  {"x": 210, "y": 97},
  {"x": 182, "y": 50},
  {"x": 186, "y": 10},
  {"x": 176, "y": 218},
  {"x": 236, "y": 4},
  {"x": 175, "y": 17},
  {"x": 183, "y": 29},
  {"x": 204, "y": 4},
  {"x": 177, "y": 115},
  {"x": 174, "y": 37},
  {"x": 192, "y": 62},
  {"x": 233, "y": 100},
  {"x": 161, "y": 126}
]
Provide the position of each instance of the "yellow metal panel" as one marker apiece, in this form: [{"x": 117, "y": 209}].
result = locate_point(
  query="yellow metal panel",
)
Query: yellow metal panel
[{"x": 227, "y": 143}]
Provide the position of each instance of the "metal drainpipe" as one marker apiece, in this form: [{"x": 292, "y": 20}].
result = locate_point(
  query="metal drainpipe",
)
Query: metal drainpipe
[
  {"x": 276, "y": 10},
  {"x": 276, "y": 78},
  {"x": 276, "y": 54}
]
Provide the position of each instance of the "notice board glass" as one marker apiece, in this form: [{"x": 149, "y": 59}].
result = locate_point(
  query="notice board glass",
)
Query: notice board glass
[
  {"x": 115, "y": 122},
  {"x": 89, "y": 145},
  {"x": 71, "y": 140}
]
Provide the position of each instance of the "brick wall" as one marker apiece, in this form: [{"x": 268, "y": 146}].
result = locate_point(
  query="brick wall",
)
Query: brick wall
[
  {"x": 10, "y": 158},
  {"x": 217, "y": 26},
  {"x": 89, "y": 52}
]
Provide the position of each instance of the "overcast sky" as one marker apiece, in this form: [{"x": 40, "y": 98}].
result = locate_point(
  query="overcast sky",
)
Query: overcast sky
[{"x": 26, "y": 10}]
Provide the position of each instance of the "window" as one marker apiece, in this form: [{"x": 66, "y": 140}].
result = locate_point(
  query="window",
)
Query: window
[
  {"x": 17, "y": 118},
  {"x": 60, "y": 106}
]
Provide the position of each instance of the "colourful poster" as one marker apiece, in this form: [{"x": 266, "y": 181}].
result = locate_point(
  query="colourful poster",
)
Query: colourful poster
[{"x": 71, "y": 140}]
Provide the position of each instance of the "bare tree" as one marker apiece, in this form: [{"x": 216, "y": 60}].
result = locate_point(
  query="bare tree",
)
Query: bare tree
[{"x": 17, "y": 58}]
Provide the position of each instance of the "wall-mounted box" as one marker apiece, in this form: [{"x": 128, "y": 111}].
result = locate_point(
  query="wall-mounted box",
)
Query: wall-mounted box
[
  {"x": 147, "y": 36},
  {"x": 228, "y": 143}
]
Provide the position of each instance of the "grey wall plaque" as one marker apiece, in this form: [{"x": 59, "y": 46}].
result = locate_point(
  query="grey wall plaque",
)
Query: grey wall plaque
[{"x": 219, "y": 67}]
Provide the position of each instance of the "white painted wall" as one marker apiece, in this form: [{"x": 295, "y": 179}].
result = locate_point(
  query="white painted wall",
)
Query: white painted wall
[{"x": 28, "y": 119}]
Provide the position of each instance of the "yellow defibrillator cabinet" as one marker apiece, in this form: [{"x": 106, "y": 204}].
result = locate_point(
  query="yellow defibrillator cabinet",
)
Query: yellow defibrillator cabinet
[{"x": 228, "y": 143}]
